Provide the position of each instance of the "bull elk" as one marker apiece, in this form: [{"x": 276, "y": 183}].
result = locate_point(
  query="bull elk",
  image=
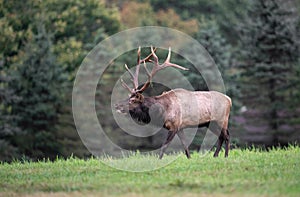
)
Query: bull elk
[{"x": 178, "y": 108}]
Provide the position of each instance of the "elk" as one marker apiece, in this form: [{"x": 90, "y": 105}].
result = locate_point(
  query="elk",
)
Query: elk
[{"x": 178, "y": 108}]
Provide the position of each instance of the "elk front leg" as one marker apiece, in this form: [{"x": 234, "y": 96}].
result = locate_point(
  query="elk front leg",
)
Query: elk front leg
[
  {"x": 182, "y": 138},
  {"x": 165, "y": 145}
]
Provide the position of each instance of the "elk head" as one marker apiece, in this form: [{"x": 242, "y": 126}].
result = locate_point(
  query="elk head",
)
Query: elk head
[{"x": 137, "y": 105}]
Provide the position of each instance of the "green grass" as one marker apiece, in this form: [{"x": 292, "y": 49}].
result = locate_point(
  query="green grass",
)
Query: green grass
[{"x": 245, "y": 172}]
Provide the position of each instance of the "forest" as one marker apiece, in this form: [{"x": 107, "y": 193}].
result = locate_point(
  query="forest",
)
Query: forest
[{"x": 255, "y": 45}]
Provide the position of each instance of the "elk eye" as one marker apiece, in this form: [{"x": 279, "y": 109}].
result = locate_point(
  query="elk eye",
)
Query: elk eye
[{"x": 132, "y": 100}]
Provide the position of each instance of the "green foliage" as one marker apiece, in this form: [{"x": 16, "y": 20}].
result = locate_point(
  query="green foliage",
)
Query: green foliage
[
  {"x": 245, "y": 173},
  {"x": 45, "y": 106},
  {"x": 135, "y": 14},
  {"x": 38, "y": 82},
  {"x": 227, "y": 13},
  {"x": 74, "y": 26},
  {"x": 270, "y": 51},
  {"x": 8, "y": 127},
  {"x": 210, "y": 37}
]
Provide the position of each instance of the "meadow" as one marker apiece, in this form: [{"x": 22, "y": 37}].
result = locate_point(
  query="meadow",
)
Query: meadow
[{"x": 246, "y": 172}]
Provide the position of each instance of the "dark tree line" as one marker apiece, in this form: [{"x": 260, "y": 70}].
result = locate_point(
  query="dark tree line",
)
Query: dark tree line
[{"x": 270, "y": 60}]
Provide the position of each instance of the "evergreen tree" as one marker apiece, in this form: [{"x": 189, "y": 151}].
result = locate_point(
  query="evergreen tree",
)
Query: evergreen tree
[
  {"x": 7, "y": 127},
  {"x": 270, "y": 49},
  {"x": 218, "y": 47},
  {"x": 77, "y": 26},
  {"x": 38, "y": 82}
]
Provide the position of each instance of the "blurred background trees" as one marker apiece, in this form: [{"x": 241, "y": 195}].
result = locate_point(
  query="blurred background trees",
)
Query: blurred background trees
[
  {"x": 42, "y": 45},
  {"x": 269, "y": 52},
  {"x": 271, "y": 36},
  {"x": 38, "y": 82},
  {"x": 255, "y": 45}
]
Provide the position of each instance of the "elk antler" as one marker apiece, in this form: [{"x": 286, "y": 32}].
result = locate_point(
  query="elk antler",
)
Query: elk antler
[
  {"x": 158, "y": 67},
  {"x": 155, "y": 69}
]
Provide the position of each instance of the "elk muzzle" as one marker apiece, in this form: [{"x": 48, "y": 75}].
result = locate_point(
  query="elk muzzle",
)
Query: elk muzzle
[{"x": 122, "y": 107}]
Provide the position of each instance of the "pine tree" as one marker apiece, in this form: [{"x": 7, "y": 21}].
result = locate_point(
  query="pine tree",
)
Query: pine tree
[
  {"x": 218, "y": 47},
  {"x": 7, "y": 127},
  {"x": 38, "y": 82},
  {"x": 269, "y": 49}
]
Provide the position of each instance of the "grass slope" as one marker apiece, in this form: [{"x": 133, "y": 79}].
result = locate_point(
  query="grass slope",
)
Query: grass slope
[{"x": 245, "y": 172}]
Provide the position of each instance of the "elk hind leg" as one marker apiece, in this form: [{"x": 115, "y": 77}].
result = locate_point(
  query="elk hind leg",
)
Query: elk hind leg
[
  {"x": 165, "y": 145},
  {"x": 227, "y": 142},
  {"x": 219, "y": 145},
  {"x": 224, "y": 136},
  {"x": 216, "y": 129},
  {"x": 182, "y": 138}
]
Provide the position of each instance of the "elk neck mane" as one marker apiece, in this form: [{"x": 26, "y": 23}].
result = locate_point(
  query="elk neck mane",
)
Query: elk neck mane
[{"x": 141, "y": 113}]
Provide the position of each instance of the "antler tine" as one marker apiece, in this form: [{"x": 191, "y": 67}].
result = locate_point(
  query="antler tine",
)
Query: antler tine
[
  {"x": 150, "y": 75},
  {"x": 147, "y": 71},
  {"x": 152, "y": 54},
  {"x": 155, "y": 56},
  {"x": 147, "y": 59},
  {"x": 129, "y": 71},
  {"x": 133, "y": 77},
  {"x": 139, "y": 61},
  {"x": 158, "y": 67},
  {"x": 139, "y": 56},
  {"x": 167, "y": 63},
  {"x": 136, "y": 77},
  {"x": 154, "y": 70},
  {"x": 126, "y": 86}
]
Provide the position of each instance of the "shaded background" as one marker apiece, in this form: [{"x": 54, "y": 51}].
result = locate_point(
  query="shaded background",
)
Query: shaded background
[{"x": 255, "y": 45}]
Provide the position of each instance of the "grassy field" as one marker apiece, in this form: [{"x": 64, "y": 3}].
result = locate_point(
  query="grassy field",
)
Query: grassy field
[{"x": 244, "y": 173}]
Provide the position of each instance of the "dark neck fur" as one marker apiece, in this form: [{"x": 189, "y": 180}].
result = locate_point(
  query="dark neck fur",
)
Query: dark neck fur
[{"x": 141, "y": 113}]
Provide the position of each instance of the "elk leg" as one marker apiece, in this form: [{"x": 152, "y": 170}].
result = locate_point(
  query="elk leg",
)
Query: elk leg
[
  {"x": 227, "y": 143},
  {"x": 220, "y": 142},
  {"x": 171, "y": 135},
  {"x": 215, "y": 128},
  {"x": 182, "y": 138}
]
